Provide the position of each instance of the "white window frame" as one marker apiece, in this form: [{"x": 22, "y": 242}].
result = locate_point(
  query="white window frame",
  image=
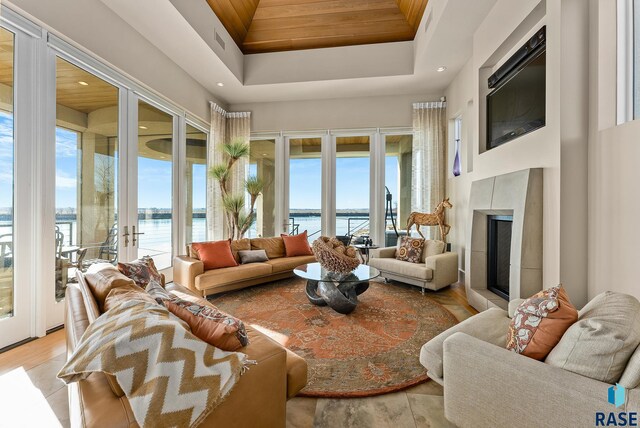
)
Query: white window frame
[
  {"x": 203, "y": 127},
  {"x": 26, "y": 320},
  {"x": 280, "y": 218},
  {"x": 381, "y": 224},
  {"x": 34, "y": 166},
  {"x": 326, "y": 207}
]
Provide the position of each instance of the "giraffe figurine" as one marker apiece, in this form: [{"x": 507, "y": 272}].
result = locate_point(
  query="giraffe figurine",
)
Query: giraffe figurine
[{"x": 435, "y": 218}]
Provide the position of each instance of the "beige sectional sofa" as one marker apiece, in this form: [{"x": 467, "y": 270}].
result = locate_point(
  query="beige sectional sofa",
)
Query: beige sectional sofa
[
  {"x": 437, "y": 269},
  {"x": 189, "y": 272}
]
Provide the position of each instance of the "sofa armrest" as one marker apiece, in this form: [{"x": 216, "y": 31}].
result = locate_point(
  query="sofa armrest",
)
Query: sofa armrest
[
  {"x": 489, "y": 386},
  {"x": 383, "y": 253},
  {"x": 185, "y": 270},
  {"x": 445, "y": 269}
]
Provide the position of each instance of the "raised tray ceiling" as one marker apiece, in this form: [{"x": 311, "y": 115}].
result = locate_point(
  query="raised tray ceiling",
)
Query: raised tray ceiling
[{"x": 260, "y": 26}]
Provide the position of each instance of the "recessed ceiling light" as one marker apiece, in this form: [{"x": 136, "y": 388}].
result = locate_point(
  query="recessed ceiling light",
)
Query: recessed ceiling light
[
  {"x": 264, "y": 154},
  {"x": 83, "y": 83},
  {"x": 142, "y": 127},
  {"x": 220, "y": 84},
  {"x": 441, "y": 69}
]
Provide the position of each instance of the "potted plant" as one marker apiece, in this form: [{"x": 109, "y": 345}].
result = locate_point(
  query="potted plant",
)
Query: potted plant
[{"x": 237, "y": 218}]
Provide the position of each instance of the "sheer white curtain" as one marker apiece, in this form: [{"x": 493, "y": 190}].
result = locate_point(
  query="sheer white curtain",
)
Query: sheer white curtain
[
  {"x": 239, "y": 127},
  {"x": 225, "y": 127},
  {"x": 428, "y": 160}
]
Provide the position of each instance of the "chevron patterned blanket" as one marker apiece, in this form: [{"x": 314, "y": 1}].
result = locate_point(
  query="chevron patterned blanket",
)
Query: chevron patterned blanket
[{"x": 170, "y": 377}]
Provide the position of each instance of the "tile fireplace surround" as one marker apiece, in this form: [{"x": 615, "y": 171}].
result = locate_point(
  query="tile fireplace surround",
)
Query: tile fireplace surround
[{"x": 517, "y": 194}]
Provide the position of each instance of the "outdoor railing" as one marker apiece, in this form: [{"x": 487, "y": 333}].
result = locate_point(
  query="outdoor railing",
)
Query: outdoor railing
[{"x": 355, "y": 225}]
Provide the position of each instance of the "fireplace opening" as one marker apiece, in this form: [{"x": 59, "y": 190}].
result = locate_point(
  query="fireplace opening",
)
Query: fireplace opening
[{"x": 499, "y": 254}]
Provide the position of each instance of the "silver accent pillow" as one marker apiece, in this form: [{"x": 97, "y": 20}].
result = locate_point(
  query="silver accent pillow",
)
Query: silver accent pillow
[{"x": 252, "y": 256}]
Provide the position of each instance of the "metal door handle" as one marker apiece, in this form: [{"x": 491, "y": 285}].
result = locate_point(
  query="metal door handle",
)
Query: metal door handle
[
  {"x": 135, "y": 235},
  {"x": 126, "y": 236}
]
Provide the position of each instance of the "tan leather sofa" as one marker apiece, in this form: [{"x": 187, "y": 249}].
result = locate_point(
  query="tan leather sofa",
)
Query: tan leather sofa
[
  {"x": 257, "y": 400},
  {"x": 189, "y": 272}
]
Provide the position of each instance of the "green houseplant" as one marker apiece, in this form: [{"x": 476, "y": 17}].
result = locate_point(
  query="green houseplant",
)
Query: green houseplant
[{"x": 237, "y": 218}]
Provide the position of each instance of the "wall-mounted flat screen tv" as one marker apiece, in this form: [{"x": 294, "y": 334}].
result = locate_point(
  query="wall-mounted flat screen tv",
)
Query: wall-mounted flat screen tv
[{"x": 516, "y": 106}]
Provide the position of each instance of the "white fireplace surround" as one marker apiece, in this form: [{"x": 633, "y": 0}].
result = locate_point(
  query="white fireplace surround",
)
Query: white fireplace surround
[{"x": 517, "y": 194}]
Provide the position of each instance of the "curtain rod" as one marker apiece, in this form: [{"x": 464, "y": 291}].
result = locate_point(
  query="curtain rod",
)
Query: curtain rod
[
  {"x": 432, "y": 104},
  {"x": 229, "y": 114}
]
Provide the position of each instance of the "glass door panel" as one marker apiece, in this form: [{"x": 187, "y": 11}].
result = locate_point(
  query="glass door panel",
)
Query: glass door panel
[
  {"x": 7, "y": 292},
  {"x": 398, "y": 157},
  {"x": 262, "y": 165},
  {"x": 86, "y": 159},
  {"x": 353, "y": 177},
  {"x": 196, "y": 186},
  {"x": 305, "y": 186},
  {"x": 154, "y": 234}
]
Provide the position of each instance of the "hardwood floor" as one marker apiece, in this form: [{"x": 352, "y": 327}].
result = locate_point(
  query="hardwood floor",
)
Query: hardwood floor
[{"x": 31, "y": 395}]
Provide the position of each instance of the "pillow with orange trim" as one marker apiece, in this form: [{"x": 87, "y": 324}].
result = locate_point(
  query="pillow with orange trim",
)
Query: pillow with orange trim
[
  {"x": 210, "y": 324},
  {"x": 296, "y": 245},
  {"x": 215, "y": 254},
  {"x": 539, "y": 323}
]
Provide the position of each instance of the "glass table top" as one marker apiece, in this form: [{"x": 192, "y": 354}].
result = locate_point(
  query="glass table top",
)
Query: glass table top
[{"x": 315, "y": 272}]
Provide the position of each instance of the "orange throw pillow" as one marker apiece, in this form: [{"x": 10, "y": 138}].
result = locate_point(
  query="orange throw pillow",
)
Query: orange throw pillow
[
  {"x": 296, "y": 245},
  {"x": 539, "y": 323},
  {"x": 215, "y": 255},
  {"x": 210, "y": 324}
]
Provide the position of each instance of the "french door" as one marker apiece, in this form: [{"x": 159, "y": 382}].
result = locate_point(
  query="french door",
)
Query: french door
[
  {"x": 17, "y": 238},
  {"x": 94, "y": 168},
  {"x": 330, "y": 184},
  {"x": 152, "y": 227},
  {"x": 114, "y": 178}
]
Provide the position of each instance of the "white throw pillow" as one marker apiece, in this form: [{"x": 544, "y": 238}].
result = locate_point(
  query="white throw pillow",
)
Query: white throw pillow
[{"x": 601, "y": 343}]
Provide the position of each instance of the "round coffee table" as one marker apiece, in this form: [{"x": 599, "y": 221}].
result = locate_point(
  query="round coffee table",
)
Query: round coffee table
[{"x": 338, "y": 291}]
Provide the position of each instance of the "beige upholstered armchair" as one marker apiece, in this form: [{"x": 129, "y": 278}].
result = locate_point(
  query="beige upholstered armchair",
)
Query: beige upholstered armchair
[
  {"x": 437, "y": 270},
  {"x": 486, "y": 385}
]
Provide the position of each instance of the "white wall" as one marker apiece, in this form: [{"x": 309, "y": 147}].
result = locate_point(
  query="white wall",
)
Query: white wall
[
  {"x": 367, "y": 112},
  {"x": 94, "y": 27},
  {"x": 558, "y": 147},
  {"x": 614, "y": 177}
]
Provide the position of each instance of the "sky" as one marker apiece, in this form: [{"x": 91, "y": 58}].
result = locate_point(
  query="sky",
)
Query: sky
[
  {"x": 352, "y": 182},
  {"x": 154, "y": 177}
]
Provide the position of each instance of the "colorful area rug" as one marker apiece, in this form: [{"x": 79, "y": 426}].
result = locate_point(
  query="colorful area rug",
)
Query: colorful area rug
[{"x": 374, "y": 350}]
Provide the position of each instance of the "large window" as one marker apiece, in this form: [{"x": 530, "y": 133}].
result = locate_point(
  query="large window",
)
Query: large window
[
  {"x": 262, "y": 165},
  {"x": 352, "y": 186},
  {"x": 6, "y": 174},
  {"x": 196, "y": 185},
  {"x": 155, "y": 185},
  {"x": 305, "y": 186},
  {"x": 86, "y": 172},
  {"x": 398, "y": 158}
]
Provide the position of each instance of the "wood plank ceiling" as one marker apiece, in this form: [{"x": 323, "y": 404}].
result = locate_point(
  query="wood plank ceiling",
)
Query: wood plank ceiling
[{"x": 260, "y": 26}]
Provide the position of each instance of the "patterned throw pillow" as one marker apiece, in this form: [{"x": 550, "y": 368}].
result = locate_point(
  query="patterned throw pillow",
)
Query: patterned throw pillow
[
  {"x": 101, "y": 280},
  {"x": 157, "y": 291},
  {"x": 210, "y": 324},
  {"x": 410, "y": 249},
  {"x": 539, "y": 323},
  {"x": 142, "y": 271}
]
